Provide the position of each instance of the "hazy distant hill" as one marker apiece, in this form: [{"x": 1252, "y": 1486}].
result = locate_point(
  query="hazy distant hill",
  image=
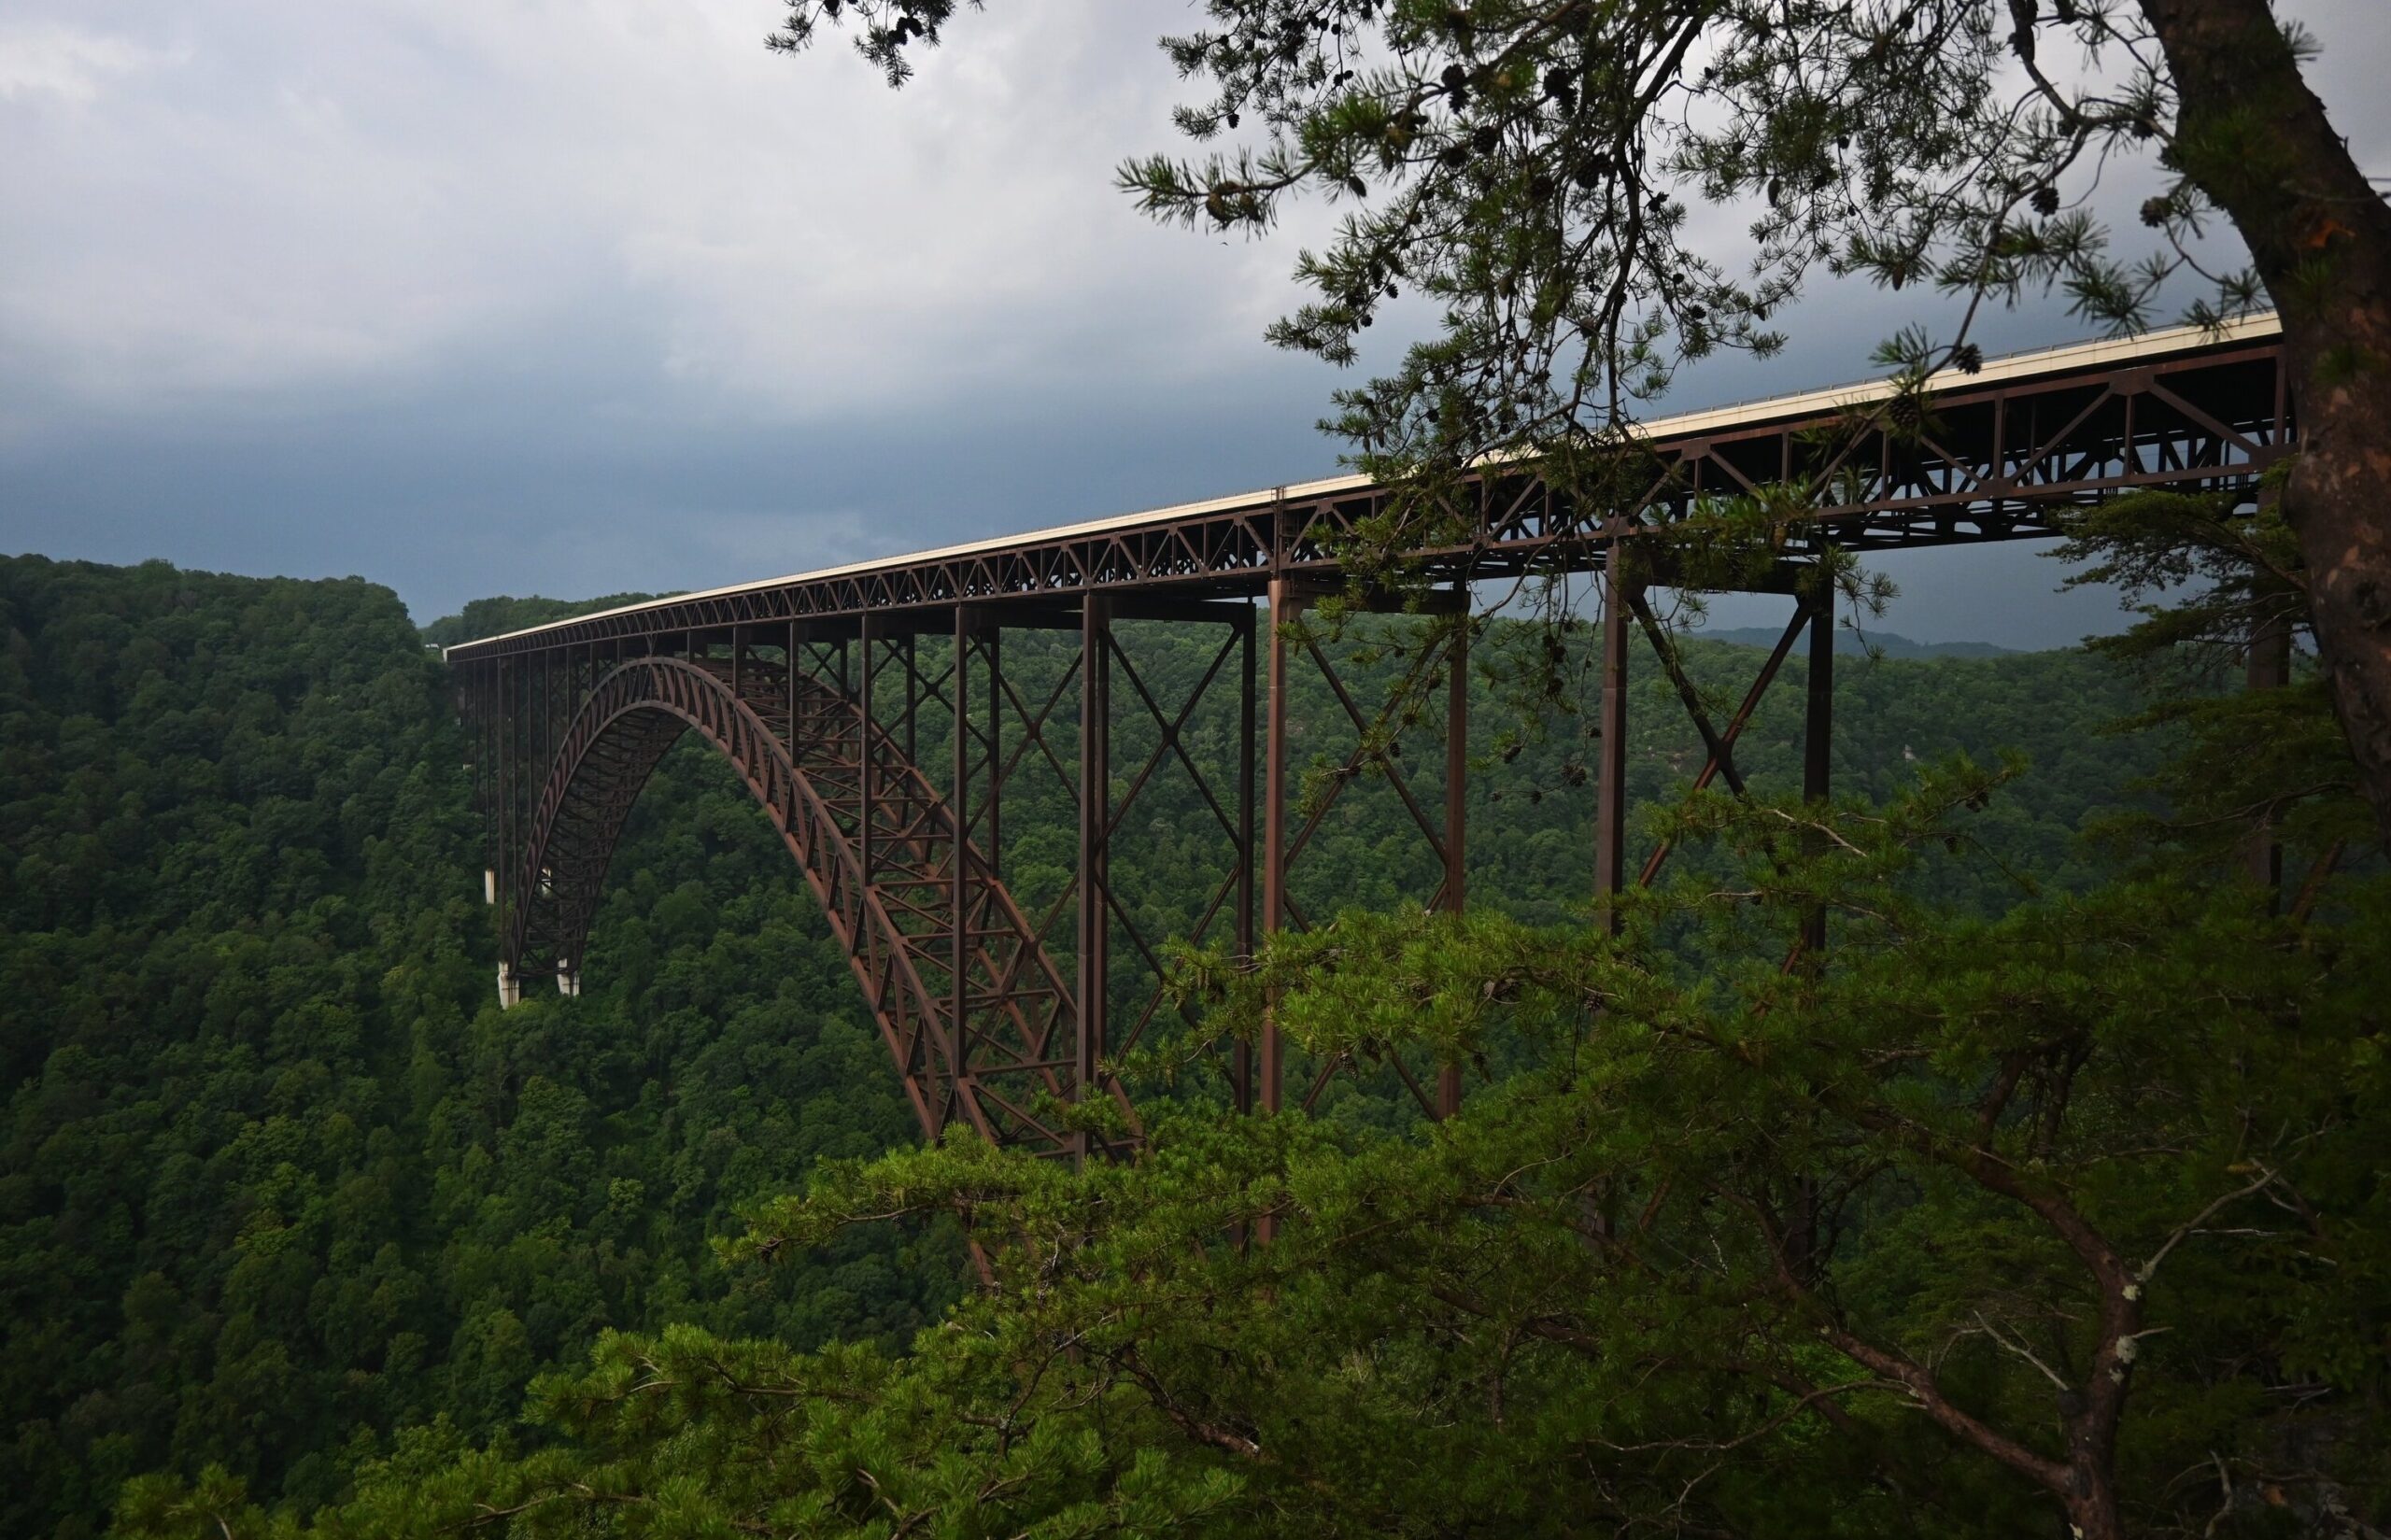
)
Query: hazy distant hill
[
  {"x": 1851, "y": 643},
  {"x": 497, "y": 617}
]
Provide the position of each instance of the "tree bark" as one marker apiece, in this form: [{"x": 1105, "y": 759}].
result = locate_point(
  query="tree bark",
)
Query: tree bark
[{"x": 2252, "y": 137}]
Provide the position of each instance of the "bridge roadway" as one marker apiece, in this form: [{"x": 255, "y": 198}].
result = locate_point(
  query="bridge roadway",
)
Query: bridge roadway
[{"x": 817, "y": 688}]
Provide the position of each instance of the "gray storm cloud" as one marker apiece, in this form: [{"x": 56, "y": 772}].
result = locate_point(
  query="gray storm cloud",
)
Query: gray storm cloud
[{"x": 473, "y": 297}]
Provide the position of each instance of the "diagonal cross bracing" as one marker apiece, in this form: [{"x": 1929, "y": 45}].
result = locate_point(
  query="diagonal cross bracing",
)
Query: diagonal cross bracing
[
  {"x": 2004, "y": 452},
  {"x": 815, "y": 687},
  {"x": 988, "y": 1070}
]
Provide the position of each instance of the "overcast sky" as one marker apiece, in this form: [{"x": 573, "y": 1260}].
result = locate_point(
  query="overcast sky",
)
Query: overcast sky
[{"x": 514, "y": 296}]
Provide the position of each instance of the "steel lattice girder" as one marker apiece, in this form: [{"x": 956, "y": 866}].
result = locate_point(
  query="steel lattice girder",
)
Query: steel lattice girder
[
  {"x": 1994, "y": 460},
  {"x": 568, "y": 720},
  {"x": 986, "y": 1066}
]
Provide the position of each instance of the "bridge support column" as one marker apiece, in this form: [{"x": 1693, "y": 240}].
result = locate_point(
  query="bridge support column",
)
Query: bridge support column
[
  {"x": 509, "y": 753},
  {"x": 867, "y": 804},
  {"x": 1286, "y": 609},
  {"x": 991, "y": 817},
  {"x": 1243, "y": 1065},
  {"x": 1611, "y": 805},
  {"x": 974, "y": 636},
  {"x": 958, "y": 956},
  {"x": 510, "y": 988},
  {"x": 1456, "y": 810},
  {"x": 1095, "y": 866},
  {"x": 911, "y": 734}
]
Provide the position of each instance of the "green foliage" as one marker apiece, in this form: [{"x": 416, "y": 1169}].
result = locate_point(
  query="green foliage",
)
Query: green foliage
[
  {"x": 1882, "y": 1246},
  {"x": 276, "y": 1176},
  {"x": 2235, "y": 591},
  {"x": 1585, "y": 196},
  {"x": 499, "y": 615},
  {"x": 294, "y": 1215}
]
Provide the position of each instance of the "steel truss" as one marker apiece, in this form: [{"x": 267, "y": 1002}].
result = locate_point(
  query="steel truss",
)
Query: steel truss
[{"x": 872, "y": 713}]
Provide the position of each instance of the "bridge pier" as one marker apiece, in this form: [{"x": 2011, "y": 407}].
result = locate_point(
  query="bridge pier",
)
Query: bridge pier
[
  {"x": 1456, "y": 884},
  {"x": 1377, "y": 746},
  {"x": 1244, "y": 1067},
  {"x": 1135, "y": 735},
  {"x": 958, "y": 862},
  {"x": 1094, "y": 946},
  {"x": 1610, "y": 738},
  {"x": 1287, "y": 602}
]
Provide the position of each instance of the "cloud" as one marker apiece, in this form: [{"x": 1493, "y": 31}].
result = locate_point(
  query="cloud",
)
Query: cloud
[
  {"x": 318, "y": 200},
  {"x": 68, "y": 63},
  {"x": 418, "y": 286}
]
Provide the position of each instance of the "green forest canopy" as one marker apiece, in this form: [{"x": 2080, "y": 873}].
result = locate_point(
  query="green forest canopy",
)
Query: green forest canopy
[{"x": 281, "y": 1183}]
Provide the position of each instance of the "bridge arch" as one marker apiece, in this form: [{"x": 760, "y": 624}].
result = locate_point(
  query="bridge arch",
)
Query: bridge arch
[{"x": 976, "y": 1045}]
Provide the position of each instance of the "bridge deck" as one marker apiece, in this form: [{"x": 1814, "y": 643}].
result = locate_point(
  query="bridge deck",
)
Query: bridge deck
[
  {"x": 821, "y": 687},
  {"x": 2004, "y": 449}
]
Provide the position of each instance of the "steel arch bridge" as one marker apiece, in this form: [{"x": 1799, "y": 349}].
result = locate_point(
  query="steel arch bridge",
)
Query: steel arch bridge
[{"x": 820, "y": 690}]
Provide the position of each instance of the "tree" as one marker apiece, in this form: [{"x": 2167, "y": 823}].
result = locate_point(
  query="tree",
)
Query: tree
[
  {"x": 2075, "y": 1212},
  {"x": 277, "y": 1178},
  {"x": 1528, "y": 167},
  {"x": 2072, "y": 1212}
]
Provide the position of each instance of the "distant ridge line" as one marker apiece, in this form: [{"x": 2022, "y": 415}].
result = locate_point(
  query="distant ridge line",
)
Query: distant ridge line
[{"x": 1851, "y": 643}]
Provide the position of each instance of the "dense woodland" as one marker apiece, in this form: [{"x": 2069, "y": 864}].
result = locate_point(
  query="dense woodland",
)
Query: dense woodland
[
  {"x": 279, "y": 1179},
  {"x": 1988, "y": 1149}
]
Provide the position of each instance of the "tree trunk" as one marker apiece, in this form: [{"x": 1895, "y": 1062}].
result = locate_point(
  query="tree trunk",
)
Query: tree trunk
[
  {"x": 2096, "y": 1517},
  {"x": 2252, "y": 137}
]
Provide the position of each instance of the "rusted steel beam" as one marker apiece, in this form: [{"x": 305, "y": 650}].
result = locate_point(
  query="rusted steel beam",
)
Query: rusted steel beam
[
  {"x": 1204, "y": 612},
  {"x": 1734, "y": 727},
  {"x": 906, "y": 648},
  {"x": 1244, "y": 1067},
  {"x": 1287, "y": 600},
  {"x": 992, "y": 650},
  {"x": 981, "y": 1023},
  {"x": 2008, "y": 454},
  {"x": 1456, "y": 813},
  {"x": 1610, "y": 804},
  {"x": 959, "y": 867},
  {"x": 1095, "y": 880},
  {"x": 867, "y": 803},
  {"x": 1723, "y": 757},
  {"x": 796, "y": 636},
  {"x": 989, "y": 1073},
  {"x": 1171, "y": 744}
]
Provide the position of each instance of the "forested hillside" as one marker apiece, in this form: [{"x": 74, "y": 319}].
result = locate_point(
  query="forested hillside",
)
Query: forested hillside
[
  {"x": 497, "y": 615},
  {"x": 277, "y": 1178}
]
